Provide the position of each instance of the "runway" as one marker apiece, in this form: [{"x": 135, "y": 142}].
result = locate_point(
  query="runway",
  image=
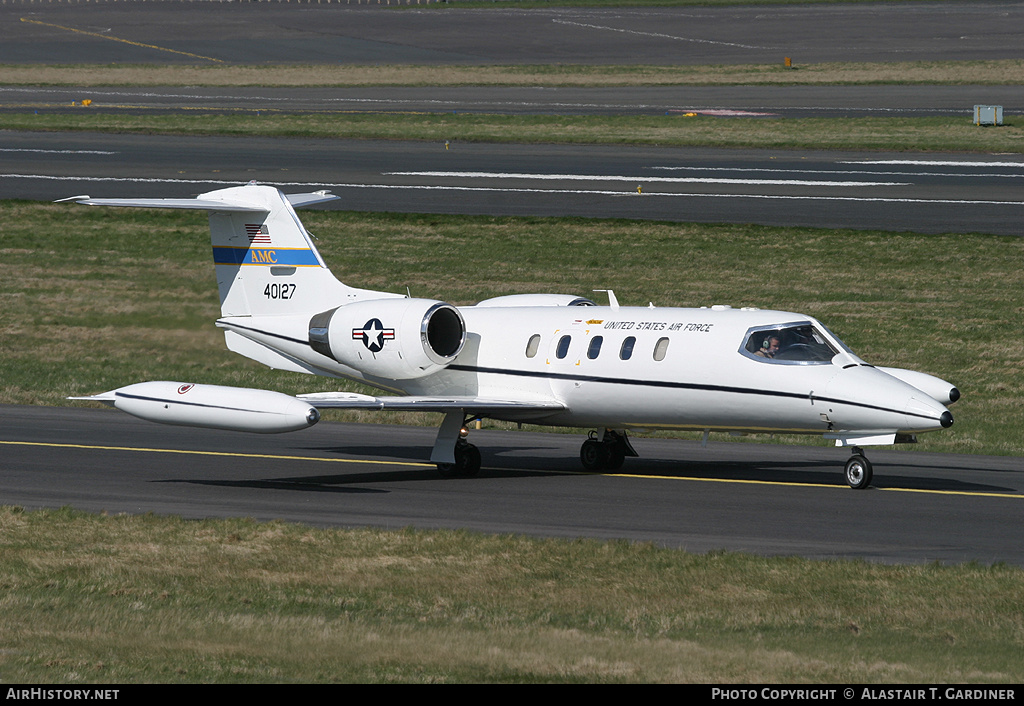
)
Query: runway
[
  {"x": 934, "y": 193},
  {"x": 765, "y": 499},
  {"x": 922, "y": 193},
  {"x": 307, "y": 33}
]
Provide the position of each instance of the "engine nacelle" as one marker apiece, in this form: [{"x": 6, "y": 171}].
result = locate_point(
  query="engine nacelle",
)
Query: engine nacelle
[{"x": 399, "y": 339}]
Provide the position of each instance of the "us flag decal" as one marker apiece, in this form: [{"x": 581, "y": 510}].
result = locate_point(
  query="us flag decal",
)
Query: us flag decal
[{"x": 257, "y": 233}]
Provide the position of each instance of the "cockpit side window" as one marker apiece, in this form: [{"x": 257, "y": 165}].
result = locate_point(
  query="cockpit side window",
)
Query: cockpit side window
[
  {"x": 533, "y": 345},
  {"x": 793, "y": 344}
]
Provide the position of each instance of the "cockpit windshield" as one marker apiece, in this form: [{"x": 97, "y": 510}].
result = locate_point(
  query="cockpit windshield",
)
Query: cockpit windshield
[{"x": 794, "y": 344}]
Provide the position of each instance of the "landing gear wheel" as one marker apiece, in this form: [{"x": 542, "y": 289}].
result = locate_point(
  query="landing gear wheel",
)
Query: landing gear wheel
[
  {"x": 607, "y": 453},
  {"x": 468, "y": 458},
  {"x": 858, "y": 472},
  {"x": 594, "y": 455},
  {"x": 467, "y": 462},
  {"x": 616, "y": 457}
]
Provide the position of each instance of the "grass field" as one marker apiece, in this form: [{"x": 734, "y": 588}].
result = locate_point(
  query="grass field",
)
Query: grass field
[
  {"x": 949, "y": 73},
  {"x": 142, "y": 599},
  {"x": 949, "y": 134}
]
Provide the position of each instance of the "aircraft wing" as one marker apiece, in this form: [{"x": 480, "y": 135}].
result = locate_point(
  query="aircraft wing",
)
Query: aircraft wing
[{"x": 469, "y": 405}]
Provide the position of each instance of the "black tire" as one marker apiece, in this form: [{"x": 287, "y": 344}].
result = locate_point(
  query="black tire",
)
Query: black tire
[
  {"x": 467, "y": 462},
  {"x": 448, "y": 470},
  {"x": 858, "y": 472},
  {"x": 471, "y": 460},
  {"x": 616, "y": 457},
  {"x": 594, "y": 455}
]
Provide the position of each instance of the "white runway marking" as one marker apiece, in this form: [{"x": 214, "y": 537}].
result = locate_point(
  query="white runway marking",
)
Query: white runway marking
[
  {"x": 838, "y": 172},
  {"x": 26, "y": 149},
  {"x": 627, "y": 193},
  {"x": 139, "y": 180},
  {"x": 633, "y": 194},
  {"x": 657, "y": 35},
  {"x": 937, "y": 163},
  {"x": 645, "y": 179}
]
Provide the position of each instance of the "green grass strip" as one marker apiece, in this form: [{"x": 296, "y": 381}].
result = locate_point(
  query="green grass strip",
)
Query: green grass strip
[
  {"x": 978, "y": 72},
  {"x": 144, "y": 599},
  {"x": 946, "y": 134}
]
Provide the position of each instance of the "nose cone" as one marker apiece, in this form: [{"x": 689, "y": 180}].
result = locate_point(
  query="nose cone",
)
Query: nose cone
[
  {"x": 866, "y": 399},
  {"x": 924, "y": 413}
]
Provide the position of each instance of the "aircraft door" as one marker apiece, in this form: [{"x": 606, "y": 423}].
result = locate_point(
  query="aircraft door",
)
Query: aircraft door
[{"x": 563, "y": 360}]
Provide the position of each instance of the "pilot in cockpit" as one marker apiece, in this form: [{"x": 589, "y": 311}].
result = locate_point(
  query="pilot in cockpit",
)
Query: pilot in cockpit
[{"x": 769, "y": 347}]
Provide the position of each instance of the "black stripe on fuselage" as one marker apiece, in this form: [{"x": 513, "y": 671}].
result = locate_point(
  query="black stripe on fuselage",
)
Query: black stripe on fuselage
[{"x": 574, "y": 377}]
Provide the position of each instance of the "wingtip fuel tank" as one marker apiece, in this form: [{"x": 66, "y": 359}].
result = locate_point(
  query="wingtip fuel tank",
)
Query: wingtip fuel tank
[{"x": 212, "y": 406}]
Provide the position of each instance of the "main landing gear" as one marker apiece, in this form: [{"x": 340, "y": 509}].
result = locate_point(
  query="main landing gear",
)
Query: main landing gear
[
  {"x": 467, "y": 462},
  {"x": 858, "y": 470},
  {"x": 455, "y": 457},
  {"x": 607, "y": 453}
]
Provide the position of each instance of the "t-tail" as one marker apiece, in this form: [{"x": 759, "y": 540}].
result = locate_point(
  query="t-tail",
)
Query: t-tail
[
  {"x": 271, "y": 276},
  {"x": 266, "y": 261}
]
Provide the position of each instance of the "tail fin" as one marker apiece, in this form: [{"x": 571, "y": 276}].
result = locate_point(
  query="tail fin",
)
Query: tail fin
[{"x": 266, "y": 262}]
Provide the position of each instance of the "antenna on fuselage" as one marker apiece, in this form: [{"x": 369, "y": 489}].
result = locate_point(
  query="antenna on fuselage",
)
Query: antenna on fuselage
[{"x": 612, "y": 301}]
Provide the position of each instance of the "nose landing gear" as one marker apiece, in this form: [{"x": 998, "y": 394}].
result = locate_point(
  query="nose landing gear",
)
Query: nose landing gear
[{"x": 858, "y": 470}]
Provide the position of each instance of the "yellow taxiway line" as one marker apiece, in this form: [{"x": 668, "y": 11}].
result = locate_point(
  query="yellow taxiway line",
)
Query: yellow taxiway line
[
  {"x": 188, "y": 452},
  {"x": 418, "y": 464}
]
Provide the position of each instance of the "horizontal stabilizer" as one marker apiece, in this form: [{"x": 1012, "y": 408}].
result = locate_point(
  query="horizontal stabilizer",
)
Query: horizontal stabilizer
[
  {"x": 201, "y": 204},
  {"x": 317, "y": 197},
  {"x": 188, "y": 204}
]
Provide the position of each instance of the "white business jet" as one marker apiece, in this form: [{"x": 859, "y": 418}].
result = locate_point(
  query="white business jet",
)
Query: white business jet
[{"x": 530, "y": 358}]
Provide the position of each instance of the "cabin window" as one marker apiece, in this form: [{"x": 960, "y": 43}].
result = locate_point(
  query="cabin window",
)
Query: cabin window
[
  {"x": 660, "y": 349},
  {"x": 533, "y": 345},
  {"x": 594, "y": 349},
  {"x": 563, "y": 347},
  {"x": 626, "y": 351},
  {"x": 788, "y": 344}
]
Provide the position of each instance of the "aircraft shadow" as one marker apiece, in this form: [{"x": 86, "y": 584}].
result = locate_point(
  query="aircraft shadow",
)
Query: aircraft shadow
[
  {"x": 310, "y": 485},
  {"x": 807, "y": 473},
  {"x": 514, "y": 462}
]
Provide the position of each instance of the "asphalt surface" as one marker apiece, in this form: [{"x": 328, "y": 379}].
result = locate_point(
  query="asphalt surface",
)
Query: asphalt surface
[
  {"x": 937, "y": 193},
  {"x": 256, "y": 33},
  {"x": 774, "y": 500},
  {"x": 901, "y": 192}
]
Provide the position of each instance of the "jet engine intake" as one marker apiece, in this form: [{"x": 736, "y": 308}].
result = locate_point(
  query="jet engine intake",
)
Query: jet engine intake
[{"x": 398, "y": 339}]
